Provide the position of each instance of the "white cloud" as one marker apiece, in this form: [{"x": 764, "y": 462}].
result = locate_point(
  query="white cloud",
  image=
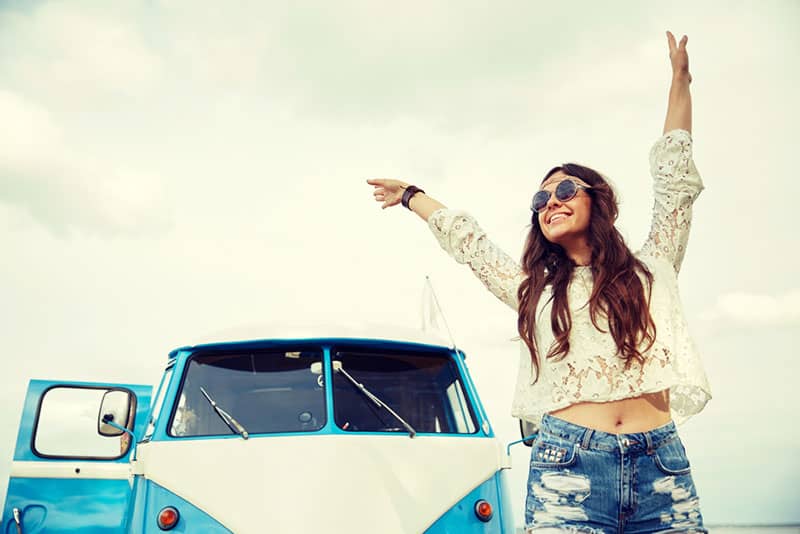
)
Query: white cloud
[
  {"x": 73, "y": 53},
  {"x": 756, "y": 309},
  {"x": 65, "y": 187}
]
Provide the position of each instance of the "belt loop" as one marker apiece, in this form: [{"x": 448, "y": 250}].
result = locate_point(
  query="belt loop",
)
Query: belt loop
[
  {"x": 649, "y": 440},
  {"x": 587, "y": 436}
]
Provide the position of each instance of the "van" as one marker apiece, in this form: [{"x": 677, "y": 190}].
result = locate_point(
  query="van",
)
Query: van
[{"x": 280, "y": 435}]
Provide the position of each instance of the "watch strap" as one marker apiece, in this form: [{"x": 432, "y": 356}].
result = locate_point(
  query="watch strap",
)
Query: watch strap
[{"x": 410, "y": 191}]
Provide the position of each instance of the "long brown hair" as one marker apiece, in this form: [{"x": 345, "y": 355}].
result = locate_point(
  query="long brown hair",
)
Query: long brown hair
[{"x": 618, "y": 293}]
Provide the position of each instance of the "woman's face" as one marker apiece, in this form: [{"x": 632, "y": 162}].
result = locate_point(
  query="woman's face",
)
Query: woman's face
[{"x": 564, "y": 223}]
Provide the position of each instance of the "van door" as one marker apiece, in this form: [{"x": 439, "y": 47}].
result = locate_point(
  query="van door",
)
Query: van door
[{"x": 66, "y": 476}]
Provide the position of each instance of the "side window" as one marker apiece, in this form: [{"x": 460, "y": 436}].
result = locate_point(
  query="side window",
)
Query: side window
[
  {"x": 66, "y": 425},
  {"x": 156, "y": 411},
  {"x": 458, "y": 404}
]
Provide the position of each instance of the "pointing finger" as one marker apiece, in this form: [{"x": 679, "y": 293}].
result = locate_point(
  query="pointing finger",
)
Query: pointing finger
[{"x": 684, "y": 40}]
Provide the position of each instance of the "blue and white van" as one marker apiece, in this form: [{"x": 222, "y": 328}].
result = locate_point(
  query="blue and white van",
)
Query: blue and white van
[{"x": 280, "y": 435}]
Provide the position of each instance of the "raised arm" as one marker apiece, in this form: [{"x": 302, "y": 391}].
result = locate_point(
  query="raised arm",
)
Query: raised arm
[
  {"x": 676, "y": 182},
  {"x": 679, "y": 107},
  {"x": 459, "y": 234}
]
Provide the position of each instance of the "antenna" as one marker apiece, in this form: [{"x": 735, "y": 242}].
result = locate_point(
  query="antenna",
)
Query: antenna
[{"x": 431, "y": 318}]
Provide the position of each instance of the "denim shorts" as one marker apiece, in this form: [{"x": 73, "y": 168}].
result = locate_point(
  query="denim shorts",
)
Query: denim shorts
[{"x": 584, "y": 480}]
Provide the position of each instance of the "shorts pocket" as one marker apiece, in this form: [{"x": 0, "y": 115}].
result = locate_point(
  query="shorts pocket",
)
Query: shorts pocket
[
  {"x": 552, "y": 453},
  {"x": 670, "y": 458},
  {"x": 557, "y": 483}
]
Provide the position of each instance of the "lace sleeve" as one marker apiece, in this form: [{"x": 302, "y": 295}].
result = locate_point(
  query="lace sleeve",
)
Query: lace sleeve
[
  {"x": 458, "y": 233},
  {"x": 676, "y": 186}
]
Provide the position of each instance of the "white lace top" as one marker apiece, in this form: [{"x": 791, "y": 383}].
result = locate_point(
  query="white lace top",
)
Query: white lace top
[{"x": 592, "y": 371}]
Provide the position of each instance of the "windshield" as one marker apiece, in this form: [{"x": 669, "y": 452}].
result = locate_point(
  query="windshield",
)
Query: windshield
[
  {"x": 423, "y": 389},
  {"x": 265, "y": 391}
]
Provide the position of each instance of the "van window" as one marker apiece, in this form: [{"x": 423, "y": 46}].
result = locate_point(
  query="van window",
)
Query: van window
[
  {"x": 423, "y": 389},
  {"x": 265, "y": 392},
  {"x": 159, "y": 402}
]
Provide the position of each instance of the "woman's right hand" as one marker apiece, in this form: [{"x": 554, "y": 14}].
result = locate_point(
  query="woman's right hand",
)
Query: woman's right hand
[{"x": 390, "y": 192}]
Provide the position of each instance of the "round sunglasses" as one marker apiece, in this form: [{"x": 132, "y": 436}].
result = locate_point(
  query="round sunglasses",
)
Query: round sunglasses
[{"x": 565, "y": 190}]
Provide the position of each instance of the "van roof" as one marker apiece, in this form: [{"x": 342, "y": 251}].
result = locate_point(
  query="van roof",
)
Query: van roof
[{"x": 255, "y": 335}]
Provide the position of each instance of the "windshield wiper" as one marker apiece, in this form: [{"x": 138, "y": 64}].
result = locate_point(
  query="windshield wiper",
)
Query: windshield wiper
[
  {"x": 337, "y": 366},
  {"x": 232, "y": 423}
]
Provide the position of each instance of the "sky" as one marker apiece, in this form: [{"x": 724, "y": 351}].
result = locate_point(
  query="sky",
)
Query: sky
[{"x": 173, "y": 169}]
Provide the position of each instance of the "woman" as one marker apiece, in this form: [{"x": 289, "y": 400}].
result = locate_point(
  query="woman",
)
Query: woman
[{"x": 607, "y": 365}]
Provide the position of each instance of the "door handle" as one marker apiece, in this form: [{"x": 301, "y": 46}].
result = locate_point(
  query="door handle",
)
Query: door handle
[{"x": 17, "y": 516}]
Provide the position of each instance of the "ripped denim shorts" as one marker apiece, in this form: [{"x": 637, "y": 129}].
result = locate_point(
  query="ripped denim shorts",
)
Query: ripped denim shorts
[{"x": 584, "y": 480}]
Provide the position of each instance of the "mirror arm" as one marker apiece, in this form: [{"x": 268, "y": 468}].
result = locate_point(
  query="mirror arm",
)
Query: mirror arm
[{"x": 108, "y": 419}]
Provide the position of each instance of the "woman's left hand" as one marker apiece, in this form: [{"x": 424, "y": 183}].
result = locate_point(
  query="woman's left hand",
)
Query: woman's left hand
[{"x": 678, "y": 56}]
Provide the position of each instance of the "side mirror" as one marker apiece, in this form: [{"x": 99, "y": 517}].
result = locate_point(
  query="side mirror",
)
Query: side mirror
[{"x": 115, "y": 407}]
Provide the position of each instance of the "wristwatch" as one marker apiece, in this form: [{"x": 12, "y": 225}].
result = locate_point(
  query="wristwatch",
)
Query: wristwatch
[{"x": 410, "y": 191}]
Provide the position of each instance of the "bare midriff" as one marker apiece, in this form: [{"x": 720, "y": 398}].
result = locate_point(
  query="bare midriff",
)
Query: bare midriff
[{"x": 626, "y": 416}]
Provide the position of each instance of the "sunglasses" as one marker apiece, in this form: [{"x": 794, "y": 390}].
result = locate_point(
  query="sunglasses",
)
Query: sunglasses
[{"x": 565, "y": 190}]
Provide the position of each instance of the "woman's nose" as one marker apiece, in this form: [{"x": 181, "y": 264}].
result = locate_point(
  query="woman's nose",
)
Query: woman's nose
[{"x": 553, "y": 201}]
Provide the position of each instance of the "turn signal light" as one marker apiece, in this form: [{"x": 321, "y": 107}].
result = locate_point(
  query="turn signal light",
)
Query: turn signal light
[
  {"x": 483, "y": 510},
  {"x": 168, "y": 517}
]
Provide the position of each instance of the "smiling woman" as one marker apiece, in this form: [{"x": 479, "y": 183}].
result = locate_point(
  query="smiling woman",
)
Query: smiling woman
[
  {"x": 579, "y": 229},
  {"x": 563, "y": 213},
  {"x": 607, "y": 366}
]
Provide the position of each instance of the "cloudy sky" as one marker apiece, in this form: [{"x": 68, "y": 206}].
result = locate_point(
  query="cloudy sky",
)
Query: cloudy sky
[{"x": 171, "y": 169}]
